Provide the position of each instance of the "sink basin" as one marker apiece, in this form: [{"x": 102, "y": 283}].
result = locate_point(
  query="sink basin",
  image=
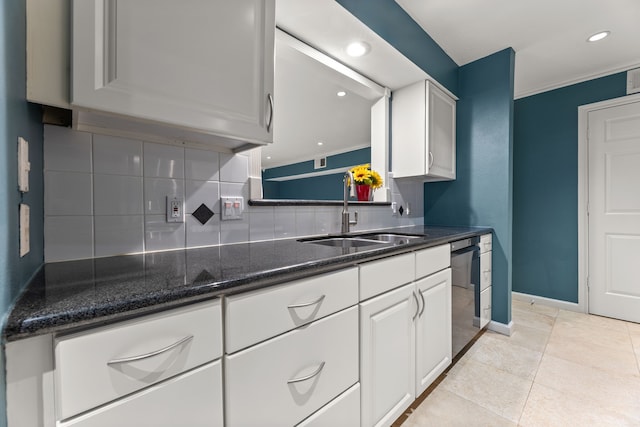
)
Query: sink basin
[
  {"x": 396, "y": 239},
  {"x": 344, "y": 242}
]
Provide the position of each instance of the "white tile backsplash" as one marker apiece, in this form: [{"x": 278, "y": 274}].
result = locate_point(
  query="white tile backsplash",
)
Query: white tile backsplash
[
  {"x": 161, "y": 235},
  {"x": 107, "y": 196},
  {"x": 67, "y": 150},
  {"x": 201, "y": 165},
  {"x": 117, "y": 194},
  {"x": 117, "y": 156},
  {"x": 305, "y": 220},
  {"x": 156, "y": 191},
  {"x": 163, "y": 161},
  {"x": 68, "y": 237},
  {"x": 235, "y": 231},
  {"x": 261, "y": 223},
  {"x": 118, "y": 234},
  {"x": 234, "y": 168},
  {"x": 284, "y": 221},
  {"x": 199, "y": 192},
  {"x": 198, "y": 234},
  {"x": 67, "y": 193}
]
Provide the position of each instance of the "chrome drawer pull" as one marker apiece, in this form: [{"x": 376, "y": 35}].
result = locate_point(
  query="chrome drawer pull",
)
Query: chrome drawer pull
[
  {"x": 307, "y": 304},
  {"x": 150, "y": 354},
  {"x": 307, "y": 377},
  {"x": 417, "y": 307},
  {"x": 423, "y": 304}
]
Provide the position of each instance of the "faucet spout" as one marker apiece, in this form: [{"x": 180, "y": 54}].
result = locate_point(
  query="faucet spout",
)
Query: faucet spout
[{"x": 347, "y": 180}]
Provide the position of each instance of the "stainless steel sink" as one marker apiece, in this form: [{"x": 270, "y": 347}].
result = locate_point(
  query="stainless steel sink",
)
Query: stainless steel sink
[
  {"x": 363, "y": 240},
  {"x": 394, "y": 238},
  {"x": 344, "y": 242}
]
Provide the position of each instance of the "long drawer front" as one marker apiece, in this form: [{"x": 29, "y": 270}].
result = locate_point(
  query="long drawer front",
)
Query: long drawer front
[
  {"x": 253, "y": 317},
  {"x": 101, "y": 365},
  {"x": 284, "y": 380}
]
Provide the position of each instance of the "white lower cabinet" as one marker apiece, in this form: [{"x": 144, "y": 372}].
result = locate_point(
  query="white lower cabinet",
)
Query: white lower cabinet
[
  {"x": 433, "y": 329},
  {"x": 193, "y": 399},
  {"x": 405, "y": 341},
  {"x": 282, "y": 381},
  {"x": 387, "y": 361}
]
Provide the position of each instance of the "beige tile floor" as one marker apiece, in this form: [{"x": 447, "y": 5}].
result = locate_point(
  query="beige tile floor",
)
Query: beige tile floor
[{"x": 559, "y": 368}]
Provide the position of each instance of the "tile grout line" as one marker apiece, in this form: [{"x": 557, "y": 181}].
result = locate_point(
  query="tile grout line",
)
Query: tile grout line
[{"x": 533, "y": 381}]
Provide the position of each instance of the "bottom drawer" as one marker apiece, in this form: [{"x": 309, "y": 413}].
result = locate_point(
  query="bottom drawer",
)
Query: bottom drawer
[
  {"x": 344, "y": 410},
  {"x": 282, "y": 381},
  {"x": 485, "y": 309},
  {"x": 193, "y": 399}
]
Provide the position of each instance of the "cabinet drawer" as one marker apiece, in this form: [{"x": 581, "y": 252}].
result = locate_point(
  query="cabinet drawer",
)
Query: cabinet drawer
[
  {"x": 282, "y": 381},
  {"x": 164, "y": 404},
  {"x": 485, "y": 308},
  {"x": 344, "y": 410},
  {"x": 485, "y": 270},
  {"x": 256, "y": 316},
  {"x": 380, "y": 276},
  {"x": 485, "y": 243},
  {"x": 98, "y": 366},
  {"x": 429, "y": 261}
]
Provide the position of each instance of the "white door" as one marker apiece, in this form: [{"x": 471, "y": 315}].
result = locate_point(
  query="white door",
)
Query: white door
[
  {"x": 387, "y": 356},
  {"x": 614, "y": 212},
  {"x": 433, "y": 329}
]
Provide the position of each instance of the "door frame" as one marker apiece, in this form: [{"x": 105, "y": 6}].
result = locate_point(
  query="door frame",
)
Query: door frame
[{"x": 583, "y": 190}]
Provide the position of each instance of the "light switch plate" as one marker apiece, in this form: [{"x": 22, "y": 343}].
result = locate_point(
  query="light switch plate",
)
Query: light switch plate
[
  {"x": 175, "y": 209},
  {"x": 23, "y": 165},
  {"x": 232, "y": 208},
  {"x": 24, "y": 229}
]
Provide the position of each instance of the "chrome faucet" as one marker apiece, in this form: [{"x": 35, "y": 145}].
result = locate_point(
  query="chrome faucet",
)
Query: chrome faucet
[{"x": 346, "y": 221}]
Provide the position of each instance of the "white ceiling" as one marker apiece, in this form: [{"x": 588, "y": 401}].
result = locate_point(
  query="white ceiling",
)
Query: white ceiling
[{"x": 548, "y": 36}]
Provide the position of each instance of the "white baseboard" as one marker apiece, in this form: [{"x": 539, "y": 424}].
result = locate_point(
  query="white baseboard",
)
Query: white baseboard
[
  {"x": 556, "y": 303},
  {"x": 501, "y": 328}
]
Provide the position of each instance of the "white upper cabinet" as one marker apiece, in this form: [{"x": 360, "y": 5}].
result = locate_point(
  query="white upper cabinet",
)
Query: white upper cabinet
[
  {"x": 199, "y": 71},
  {"x": 424, "y": 133}
]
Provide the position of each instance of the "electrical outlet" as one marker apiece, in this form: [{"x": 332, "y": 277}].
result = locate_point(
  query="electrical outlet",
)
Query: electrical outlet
[{"x": 175, "y": 209}]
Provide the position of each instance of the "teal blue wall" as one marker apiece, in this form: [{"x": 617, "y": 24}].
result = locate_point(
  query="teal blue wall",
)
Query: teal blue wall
[
  {"x": 481, "y": 193},
  {"x": 324, "y": 187},
  {"x": 545, "y": 183},
  {"x": 392, "y": 23},
  {"x": 17, "y": 118}
]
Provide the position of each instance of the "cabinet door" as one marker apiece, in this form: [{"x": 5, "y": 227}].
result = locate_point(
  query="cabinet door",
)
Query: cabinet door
[
  {"x": 387, "y": 355},
  {"x": 203, "y": 65},
  {"x": 193, "y": 399},
  {"x": 441, "y": 137},
  {"x": 433, "y": 328},
  {"x": 409, "y": 155}
]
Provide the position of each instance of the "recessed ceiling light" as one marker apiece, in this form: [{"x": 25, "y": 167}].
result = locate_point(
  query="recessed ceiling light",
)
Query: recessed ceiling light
[
  {"x": 268, "y": 157},
  {"x": 358, "y": 49},
  {"x": 342, "y": 93},
  {"x": 320, "y": 143},
  {"x": 598, "y": 36}
]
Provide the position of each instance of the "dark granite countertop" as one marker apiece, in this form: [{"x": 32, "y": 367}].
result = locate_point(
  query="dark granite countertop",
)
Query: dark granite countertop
[{"x": 92, "y": 292}]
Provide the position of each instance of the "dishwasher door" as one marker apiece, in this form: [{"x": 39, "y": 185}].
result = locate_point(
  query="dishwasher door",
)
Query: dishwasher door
[{"x": 465, "y": 292}]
